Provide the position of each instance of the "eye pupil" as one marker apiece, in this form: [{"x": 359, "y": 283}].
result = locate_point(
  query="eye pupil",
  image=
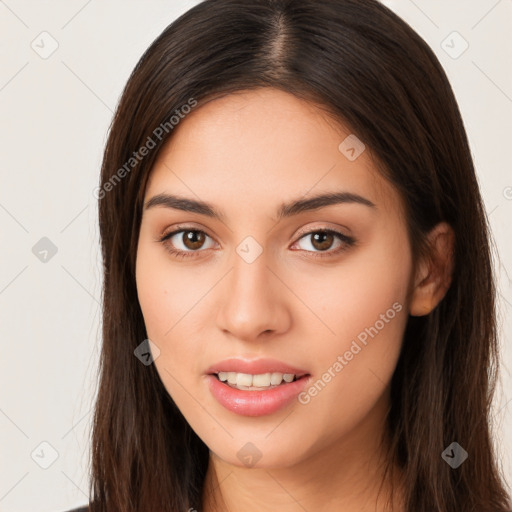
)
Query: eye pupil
[
  {"x": 193, "y": 239},
  {"x": 322, "y": 238}
]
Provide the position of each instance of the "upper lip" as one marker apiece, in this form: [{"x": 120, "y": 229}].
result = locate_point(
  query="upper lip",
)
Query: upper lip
[{"x": 255, "y": 367}]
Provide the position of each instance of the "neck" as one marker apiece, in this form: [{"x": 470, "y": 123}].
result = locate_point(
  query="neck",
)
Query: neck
[{"x": 347, "y": 475}]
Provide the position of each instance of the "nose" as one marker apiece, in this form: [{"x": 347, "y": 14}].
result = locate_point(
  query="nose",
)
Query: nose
[{"x": 253, "y": 301}]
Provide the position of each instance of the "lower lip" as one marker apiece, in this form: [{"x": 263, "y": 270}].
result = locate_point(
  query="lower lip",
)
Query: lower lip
[{"x": 252, "y": 402}]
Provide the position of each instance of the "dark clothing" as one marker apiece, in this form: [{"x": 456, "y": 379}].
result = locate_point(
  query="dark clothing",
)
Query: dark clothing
[{"x": 81, "y": 509}]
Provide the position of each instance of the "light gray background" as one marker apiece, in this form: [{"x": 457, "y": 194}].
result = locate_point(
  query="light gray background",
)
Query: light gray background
[{"x": 55, "y": 114}]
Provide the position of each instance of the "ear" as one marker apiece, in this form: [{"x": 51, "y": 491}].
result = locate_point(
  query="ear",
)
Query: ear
[{"x": 434, "y": 273}]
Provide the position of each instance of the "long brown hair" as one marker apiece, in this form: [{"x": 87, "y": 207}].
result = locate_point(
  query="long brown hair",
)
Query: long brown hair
[{"x": 368, "y": 69}]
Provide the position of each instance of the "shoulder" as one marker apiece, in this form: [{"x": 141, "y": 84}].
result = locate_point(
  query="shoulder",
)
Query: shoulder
[{"x": 85, "y": 508}]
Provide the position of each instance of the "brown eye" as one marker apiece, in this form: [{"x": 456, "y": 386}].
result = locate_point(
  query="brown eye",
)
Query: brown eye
[
  {"x": 193, "y": 240},
  {"x": 322, "y": 240},
  {"x": 186, "y": 242},
  {"x": 326, "y": 241}
]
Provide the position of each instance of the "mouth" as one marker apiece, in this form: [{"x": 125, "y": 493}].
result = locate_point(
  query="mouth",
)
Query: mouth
[
  {"x": 256, "y": 394},
  {"x": 257, "y": 382},
  {"x": 255, "y": 387}
]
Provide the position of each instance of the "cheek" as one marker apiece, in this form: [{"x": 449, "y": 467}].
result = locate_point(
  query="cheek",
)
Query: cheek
[
  {"x": 166, "y": 293},
  {"x": 151, "y": 291},
  {"x": 172, "y": 302},
  {"x": 346, "y": 298},
  {"x": 363, "y": 301}
]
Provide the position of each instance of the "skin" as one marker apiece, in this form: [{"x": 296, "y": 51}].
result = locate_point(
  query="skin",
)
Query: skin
[{"x": 246, "y": 154}]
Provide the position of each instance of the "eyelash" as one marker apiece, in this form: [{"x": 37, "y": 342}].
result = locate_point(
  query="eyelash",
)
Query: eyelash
[{"x": 347, "y": 242}]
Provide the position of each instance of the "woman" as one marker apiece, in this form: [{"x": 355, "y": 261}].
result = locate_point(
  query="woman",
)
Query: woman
[{"x": 299, "y": 301}]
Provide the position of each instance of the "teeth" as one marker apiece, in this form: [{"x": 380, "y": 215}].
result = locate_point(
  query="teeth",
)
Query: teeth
[
  {"x": 243, "y": 379},
  {"x": 276, "y": 379},
  {"x": 263, "y": 380}
]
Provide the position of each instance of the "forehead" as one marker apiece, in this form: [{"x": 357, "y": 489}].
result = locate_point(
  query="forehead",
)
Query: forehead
[{"x": 265, "y": 146}]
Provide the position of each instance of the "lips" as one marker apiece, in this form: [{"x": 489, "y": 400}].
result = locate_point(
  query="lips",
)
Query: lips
[
  {"x": 255, "y": 367},
  {"x": 253, "y": 402}
]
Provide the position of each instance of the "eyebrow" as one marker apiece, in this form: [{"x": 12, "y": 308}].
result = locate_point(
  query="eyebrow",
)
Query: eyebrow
[{"x": 285, "y": 210}]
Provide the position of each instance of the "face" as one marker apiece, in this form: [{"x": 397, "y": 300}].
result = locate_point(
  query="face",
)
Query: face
[{"x": 265, "y": 271}]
